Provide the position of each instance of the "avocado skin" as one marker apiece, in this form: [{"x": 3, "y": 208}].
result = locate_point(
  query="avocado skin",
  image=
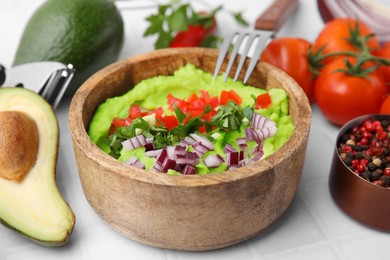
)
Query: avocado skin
[
  {"x": 37, "y": 241},
  {"x": 85, "y": 33}
]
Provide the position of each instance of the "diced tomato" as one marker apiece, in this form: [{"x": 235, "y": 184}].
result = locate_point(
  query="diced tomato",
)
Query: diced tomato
[
  {"x": 208, "y": 116},
  {"x": 169, "y": 122},
  {"x": 214, "y": 102},
  {"x": 230, "y": 95},
  {"x": 134, "y": 111},
  {"x": 198, "y": 104},
  {"x": 205, "y": 96},
  {"x": 197, "y": 112},
  {"x": 176, "y": 101},
  {"x": 121, "y": 121},
  {"x": 158, "y": 111},
  {"x": 202, "y": 129},
  {"x": 192, "y": 98},
  {"x": 263, "y": 101},
  {"x": 117, "y": 122}
]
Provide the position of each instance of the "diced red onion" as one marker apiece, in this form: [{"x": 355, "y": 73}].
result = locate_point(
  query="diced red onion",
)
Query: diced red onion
[
  {"x": 139, "y": 164},
  {"x": 168, "y": 164},
  {"x": 213, "y": 160},
  {"x": 141, "y": 139},
  {"x": 254, "y": 150},
  {"x": 265, "y": 132},
  {"x": 200, "y": 154},
  {"x": 255, "y": 136},
  {"x": 248, "y": 134},
  {"x": 199, "y": 147},
  {"x": 192, "y": 156},
  {"x": 243, "y": 162},
  {"x": 242, "y": 155},
  {"x": 127, "y": 145},
  {"x": 228, "y": 148},
  {"x": 171, "y": 152},
  {"x": 204, "y": 141},
  {"x": 135, "y": 162},
  {"x": 180, "y": 156},
  {"x": 232, "y": 158},
  {"x": 149, "y": 144},
  {"x": 135, "y": 142},
  {"x": 241, "y": 141},
  {"x": 153, "y": 153},
  {"x": 161, "y": 158},
  {"x": 187, "y": 161},
  {"x": 179, "y": 167},
  {"x": 180, "y": 150},
  {"x": 149, "y": 147},
  {"x": 157, "y": 167},
  {"x": 131, "y": 160},
  {"x": 260, "y": 122},
  {"x": 243, "y": 147},
  {"x": 257, "y": 156},
  {"x": 189, "y": 140},
  {"x": 188, "y": 170}
]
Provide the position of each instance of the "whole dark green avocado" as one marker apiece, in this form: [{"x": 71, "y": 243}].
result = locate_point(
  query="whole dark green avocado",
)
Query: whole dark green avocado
[{"x": 85, "y": 33}]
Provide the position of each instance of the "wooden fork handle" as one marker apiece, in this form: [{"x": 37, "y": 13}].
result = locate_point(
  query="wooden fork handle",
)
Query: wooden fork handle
[{"x": 275, "y": 15}]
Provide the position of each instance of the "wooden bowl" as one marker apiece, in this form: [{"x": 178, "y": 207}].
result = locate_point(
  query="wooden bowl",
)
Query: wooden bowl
[
  {"x": 193, "y": 213},
  {"x": 365, "y": 202}
]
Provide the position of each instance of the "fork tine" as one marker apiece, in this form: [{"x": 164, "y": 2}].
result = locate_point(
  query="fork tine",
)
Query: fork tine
[
  {"x": 222, "y": 53},
  {"x": 244, "y": 55},
  {"x": 233, "y": 54},
  {"x": 263, "y": 37}
]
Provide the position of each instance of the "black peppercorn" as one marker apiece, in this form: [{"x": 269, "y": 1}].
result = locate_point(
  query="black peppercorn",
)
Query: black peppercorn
[
  {"x": 376, "y": 174},
  {"x": 371, "y": 166}
]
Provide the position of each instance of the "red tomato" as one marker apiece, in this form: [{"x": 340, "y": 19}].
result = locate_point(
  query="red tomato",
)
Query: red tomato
[
  {"x": 230, "y": 95},
  {"x": 169, "y": 122},
  {"x": 134, "y": 111},
  {"x": 384, "y": 52},
  {"x": 336, "y": 34},
  {"x": 117, "y": 122},
  {"x": 341, "y": 97},
  {"x": 194, "y": 105},
  {"x": 194, "y": 35},
  {"x": 158, "y": 111},
  {"x": 181, "y": 104},
  {"x": 385, "y": 106},
  {"x": 263, "y": 101},
  {"x": 290, "y": 55}
]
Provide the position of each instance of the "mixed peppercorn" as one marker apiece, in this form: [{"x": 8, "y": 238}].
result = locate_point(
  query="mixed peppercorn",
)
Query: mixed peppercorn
[{"x": 365, "y": 150}]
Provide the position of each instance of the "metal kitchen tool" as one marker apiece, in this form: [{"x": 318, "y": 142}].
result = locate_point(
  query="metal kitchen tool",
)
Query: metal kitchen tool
[
  {"x": 49, "y": 79},
  {"x": 266, "y": 25}
]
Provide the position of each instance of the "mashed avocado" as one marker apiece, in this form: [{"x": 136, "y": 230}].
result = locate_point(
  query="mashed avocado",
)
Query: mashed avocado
[{"x": 152, "y": 93}]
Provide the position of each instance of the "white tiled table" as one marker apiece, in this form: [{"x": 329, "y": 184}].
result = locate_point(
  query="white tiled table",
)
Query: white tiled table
[{"x": 312, "y": 228}]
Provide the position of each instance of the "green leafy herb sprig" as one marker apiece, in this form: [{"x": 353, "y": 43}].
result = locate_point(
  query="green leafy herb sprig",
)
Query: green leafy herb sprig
[
  {"x": 230, "y": 117},
  {"x": 176, "y": 16}
]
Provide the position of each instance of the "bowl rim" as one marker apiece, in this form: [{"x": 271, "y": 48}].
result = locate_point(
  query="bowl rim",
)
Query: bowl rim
[
  {"x": 344, "y": 129},
  {"x": 93, "y": 152}
]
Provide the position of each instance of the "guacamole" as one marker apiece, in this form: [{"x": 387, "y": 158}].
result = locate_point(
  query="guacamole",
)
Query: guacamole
[{"x": 188, "y": 80}]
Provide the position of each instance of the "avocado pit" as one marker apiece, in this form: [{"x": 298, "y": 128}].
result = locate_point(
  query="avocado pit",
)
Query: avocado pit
[{"x": 19, "y": 143}]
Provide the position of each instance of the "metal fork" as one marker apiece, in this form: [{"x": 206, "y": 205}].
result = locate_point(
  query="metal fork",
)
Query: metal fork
[{"x": 266, "y": 25}]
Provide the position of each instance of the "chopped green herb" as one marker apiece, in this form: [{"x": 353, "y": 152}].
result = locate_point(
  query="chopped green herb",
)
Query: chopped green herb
[{"x": 228, "y": 117}]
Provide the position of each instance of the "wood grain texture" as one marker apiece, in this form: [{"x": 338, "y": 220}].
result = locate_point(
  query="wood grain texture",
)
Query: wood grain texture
[{"x": 193, "y": 213}]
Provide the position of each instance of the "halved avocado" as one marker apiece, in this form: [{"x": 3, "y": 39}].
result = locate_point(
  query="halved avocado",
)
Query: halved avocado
[{"x": 30, "y": 201}]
